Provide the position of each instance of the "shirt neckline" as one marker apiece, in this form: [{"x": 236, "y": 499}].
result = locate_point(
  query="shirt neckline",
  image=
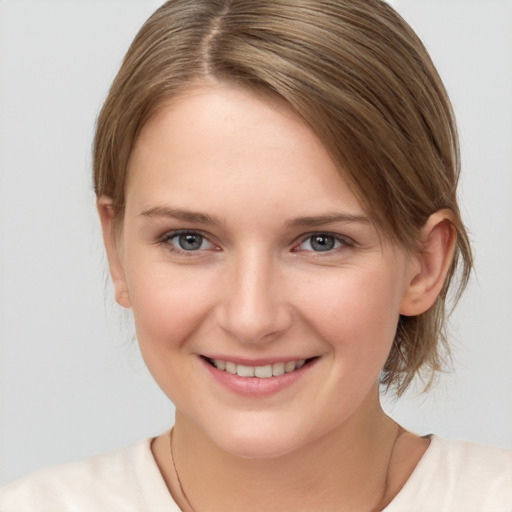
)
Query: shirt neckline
[{"x": 155, "y": 487}]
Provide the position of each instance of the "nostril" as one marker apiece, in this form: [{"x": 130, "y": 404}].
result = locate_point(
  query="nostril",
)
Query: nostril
[{"x": 253, "y": 323}]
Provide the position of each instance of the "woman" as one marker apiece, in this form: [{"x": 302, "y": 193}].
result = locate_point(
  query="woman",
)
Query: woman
[{"x": 276, "y": 184}]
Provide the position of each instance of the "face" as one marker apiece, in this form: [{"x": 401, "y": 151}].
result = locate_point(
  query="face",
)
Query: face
[{"x": 265, "y": 302}]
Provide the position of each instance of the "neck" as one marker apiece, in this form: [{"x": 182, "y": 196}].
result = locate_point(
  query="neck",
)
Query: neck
[{"x": 345, "y": 469}]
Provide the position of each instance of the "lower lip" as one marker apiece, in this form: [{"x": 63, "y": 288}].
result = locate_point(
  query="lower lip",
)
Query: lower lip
[{"x": 256, "y": 387}]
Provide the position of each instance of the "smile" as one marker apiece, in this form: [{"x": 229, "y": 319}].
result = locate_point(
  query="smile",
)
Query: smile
[{"x": 262, "y": 372}]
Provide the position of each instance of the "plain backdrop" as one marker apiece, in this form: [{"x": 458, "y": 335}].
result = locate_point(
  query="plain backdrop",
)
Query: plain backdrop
[{"x": 71, "y": 380}]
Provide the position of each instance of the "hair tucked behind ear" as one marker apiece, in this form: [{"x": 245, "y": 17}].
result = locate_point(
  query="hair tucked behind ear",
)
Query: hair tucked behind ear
[{"x": 361, "y": 79}]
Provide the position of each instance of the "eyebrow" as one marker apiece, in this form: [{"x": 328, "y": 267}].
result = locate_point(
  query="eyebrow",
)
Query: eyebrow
[
  {"x": 329, "y": 218},
  {"x": 204, "y": 218},
  {"x": 185, "y": 215}
]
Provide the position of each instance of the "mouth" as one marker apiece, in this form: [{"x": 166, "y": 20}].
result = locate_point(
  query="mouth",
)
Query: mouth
[{"x": 259, "y": 372}]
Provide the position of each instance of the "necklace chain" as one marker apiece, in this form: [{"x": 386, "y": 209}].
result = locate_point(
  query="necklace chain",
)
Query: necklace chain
[
  {"x": 180, "y": 485},
  {"x": 400, "y": 431}
]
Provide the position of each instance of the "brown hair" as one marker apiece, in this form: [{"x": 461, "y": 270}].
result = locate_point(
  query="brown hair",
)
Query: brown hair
[{"x": 356, "y": 73}]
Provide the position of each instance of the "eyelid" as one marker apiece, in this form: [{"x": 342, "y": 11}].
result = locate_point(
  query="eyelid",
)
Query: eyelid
[
  {"x": 345, "y": 241},
  {"x": 169, "y": 235}
]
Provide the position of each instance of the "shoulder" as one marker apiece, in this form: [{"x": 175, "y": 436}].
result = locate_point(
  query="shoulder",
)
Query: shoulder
[
  {"x": 459, "y": 475},
  {"x": 473, "y": 465},
  {"x": 121, "y": 480}
]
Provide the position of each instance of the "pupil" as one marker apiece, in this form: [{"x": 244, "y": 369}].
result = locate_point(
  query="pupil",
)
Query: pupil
[
  {"x": 190, "y": 241},
  {"x": 322, "y": 243}
]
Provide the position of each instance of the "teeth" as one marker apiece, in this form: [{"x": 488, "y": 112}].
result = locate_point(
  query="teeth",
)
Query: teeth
[
  {"x": 290, "y": 366},
  {"x": 278, "y": 369},
  {"x": 245, "y": 371},
  {"x": 230, "y": 367},
  {"x": 262, "y": 372}
]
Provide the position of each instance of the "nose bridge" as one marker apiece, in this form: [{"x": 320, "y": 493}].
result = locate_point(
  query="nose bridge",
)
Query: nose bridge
[{"x": 254, "y": 307}]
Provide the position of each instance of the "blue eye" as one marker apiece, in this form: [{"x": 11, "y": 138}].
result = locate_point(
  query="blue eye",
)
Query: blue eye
[
  {"x": 322, "y": 242},
  {"x": 188, "y": 241}
]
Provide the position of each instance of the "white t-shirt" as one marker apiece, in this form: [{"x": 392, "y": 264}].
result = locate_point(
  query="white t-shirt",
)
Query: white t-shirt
[{"x": 452, "y": 476}]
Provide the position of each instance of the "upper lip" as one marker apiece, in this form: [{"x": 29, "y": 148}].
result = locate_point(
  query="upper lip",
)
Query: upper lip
[{"x": 258, "y": 361}]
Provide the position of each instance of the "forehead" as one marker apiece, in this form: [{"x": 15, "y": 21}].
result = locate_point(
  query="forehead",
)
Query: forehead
[{"x": 219, "y": 143}]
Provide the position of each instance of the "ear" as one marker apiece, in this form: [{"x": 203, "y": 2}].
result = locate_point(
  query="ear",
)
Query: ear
[
  {"x": 430, "y": 264},
  {"x": 111, "y": 241}
]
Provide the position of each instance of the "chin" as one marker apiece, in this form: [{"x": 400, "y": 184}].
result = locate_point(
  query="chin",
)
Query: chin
[
  {"x": 259, "y": 447},
  {"x": 259, "y": 439}
]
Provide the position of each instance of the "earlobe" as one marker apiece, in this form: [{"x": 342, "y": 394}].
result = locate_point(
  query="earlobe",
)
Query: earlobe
[
  {"x": 110, "y": 239},
  {"x": 431, "y": 264}
]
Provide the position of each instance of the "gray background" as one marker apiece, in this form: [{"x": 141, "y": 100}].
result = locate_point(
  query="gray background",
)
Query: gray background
[{"x": 71, "y": 381}]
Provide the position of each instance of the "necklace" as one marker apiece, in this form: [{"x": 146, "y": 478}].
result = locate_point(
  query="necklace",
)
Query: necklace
[
  {"x": 400, "y": 431},
  {"x": 180, "y": 485}
]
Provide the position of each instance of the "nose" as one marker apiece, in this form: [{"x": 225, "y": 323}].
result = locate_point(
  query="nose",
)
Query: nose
[{"x": 254, "y": 308}]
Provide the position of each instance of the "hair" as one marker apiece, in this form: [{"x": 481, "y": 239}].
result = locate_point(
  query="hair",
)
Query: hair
[{"x": 357, "y": 74}]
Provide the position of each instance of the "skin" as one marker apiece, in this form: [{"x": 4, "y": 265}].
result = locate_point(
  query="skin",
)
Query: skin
[{"x": 257, "y": 289}]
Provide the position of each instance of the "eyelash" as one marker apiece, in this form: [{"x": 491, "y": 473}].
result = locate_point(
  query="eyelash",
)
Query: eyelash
[
  {"x": 340, "y": 242},
  {"x": 166, "y": 239}
]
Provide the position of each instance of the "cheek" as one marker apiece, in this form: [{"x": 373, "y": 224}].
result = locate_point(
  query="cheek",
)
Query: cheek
[
  {"x": 170, "y": 311},
  {"x": 355, "y": 311},
  {"x": 168, "y": 304}
]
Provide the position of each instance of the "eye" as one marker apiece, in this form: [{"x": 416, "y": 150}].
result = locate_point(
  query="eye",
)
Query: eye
[
  {"x": 188, "y": 241},
  {"x": 323, "y": 242}
]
